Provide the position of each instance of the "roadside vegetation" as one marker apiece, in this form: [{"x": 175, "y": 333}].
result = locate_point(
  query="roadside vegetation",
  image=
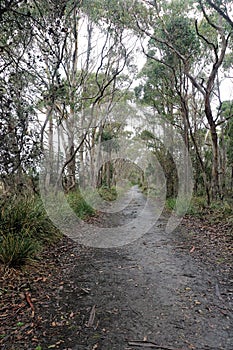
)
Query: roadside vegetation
[
  {"x": 97, "y": 126},
  {"x": 217, "y": 212},
  {"x": 96, "y": 97},
  {"x": 25, "y": 228}
]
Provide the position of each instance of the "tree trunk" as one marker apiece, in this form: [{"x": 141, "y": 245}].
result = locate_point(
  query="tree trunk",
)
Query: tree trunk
[
  {"x": 223, "y": 161},
  {"x": 231, "y": 178},
  {"x": 204, "y": 176},
  {"x": 50, "y": 160},
  {"x": 214, "y": 138}
]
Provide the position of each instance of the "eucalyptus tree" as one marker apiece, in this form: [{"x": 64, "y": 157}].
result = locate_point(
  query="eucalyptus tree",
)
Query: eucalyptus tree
[
  {"x": 176, "y": 36},
  {"x": 167, "y": 84},
  {"x": 226, "y": 113},
  {"x": 19, "y": 124},
  {"x": 78, "y": 76},
  {"x": 215, "y": 41},
  {"x": 223, "y": 8}
]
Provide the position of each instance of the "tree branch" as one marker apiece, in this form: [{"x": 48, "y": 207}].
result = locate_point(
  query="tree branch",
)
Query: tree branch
[{"x": 220, "y": 12}]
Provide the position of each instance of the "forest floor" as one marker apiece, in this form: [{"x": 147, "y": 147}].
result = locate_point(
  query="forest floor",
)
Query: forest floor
[{"x": 163, "y": 291}]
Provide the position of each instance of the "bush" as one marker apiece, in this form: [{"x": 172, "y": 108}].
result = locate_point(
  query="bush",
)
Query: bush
[
  {"x": 108, "y": 194},
  {"x": 24, "y": 228},
  {"x": 81, "y": 208},
  {"x": 17, "y": 250},
  {"x": 170, "y": 203},
  {"x": 221, "y": 211},
  {"x": 183, "y": 206},
  {"x": 27, "y": 216},
  {"x": 216, "y": 212},
  {"x": 197, "y": 206}
]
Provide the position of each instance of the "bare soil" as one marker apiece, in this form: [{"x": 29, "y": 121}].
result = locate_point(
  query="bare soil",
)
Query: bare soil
[{"x": 163, "y": 291}]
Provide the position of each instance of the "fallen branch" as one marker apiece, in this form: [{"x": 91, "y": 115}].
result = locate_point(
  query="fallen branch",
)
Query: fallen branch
[
  {"x": 146, "y": 344},
  {"x": 28, "y": 299},
  {"x": 91, "y": 318},
  {"x": 217, "y": 291}
]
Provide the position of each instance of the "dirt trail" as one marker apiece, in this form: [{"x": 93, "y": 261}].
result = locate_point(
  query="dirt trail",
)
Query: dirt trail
[
  {"x": 155, "y": 289},
  {"x": 147, "y": 290}
]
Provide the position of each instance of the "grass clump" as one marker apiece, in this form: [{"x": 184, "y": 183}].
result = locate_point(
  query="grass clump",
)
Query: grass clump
[
  {"x": 25, "y": 226},
  {"x": 108, "y": 194},
  {"x": 216, "y": 212},
  {"x": 81, "y": 208},
  {"x": 27, "y": 217},
  {"x": 185, "y": 206},
  {"x": 17, "y": 250},
  {"x": 24, "y": 229},
  {"x": 221, "y": 211}
]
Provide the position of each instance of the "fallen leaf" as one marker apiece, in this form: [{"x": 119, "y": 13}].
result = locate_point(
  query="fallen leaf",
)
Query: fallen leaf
[{"x": 192, "y": 249}]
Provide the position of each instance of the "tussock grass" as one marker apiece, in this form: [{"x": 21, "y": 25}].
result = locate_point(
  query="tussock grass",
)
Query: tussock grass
[
  {"x": 25, "y": 226},
  {"x": 17, "y": 250},
  {"x": 79, "y": 205},
  {"x": 24, "y": 229}
]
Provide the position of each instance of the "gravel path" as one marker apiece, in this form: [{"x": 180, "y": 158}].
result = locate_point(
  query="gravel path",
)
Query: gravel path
[
  {"x": 150, "y": 290},
  {"x": 154, "y": 291}
]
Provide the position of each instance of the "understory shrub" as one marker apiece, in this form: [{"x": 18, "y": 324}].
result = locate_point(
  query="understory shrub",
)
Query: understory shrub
[
  {"x": 77, "y": 202},
  {"x": 108, "y": 194},
  {"x": 171, "y": 203},
  {"x": 223, "y": 211},
  {"x": 217, "y": 212},
  {"x": 26, "y": 215},
  {"x": 25, "y": 226},
  {"x": 184, "y": 206},
  {"x": 17, "y": 250},
  {"x": 24, "y": 229}
]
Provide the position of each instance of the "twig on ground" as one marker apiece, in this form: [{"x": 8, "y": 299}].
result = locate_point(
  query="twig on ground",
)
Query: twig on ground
[
  {"x": 28, "y": 299},
  {"x": 146, "y": 344},
  {"x": 91, "y": 318}
]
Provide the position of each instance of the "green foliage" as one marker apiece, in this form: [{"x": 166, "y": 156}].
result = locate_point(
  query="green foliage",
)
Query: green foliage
[
  {"x": 108, "y": 194},
  {"x": 26, "y": 216},
  {"x": 175, "y": 34},
  {"x": 227, "y": 113},
  {"x": 221, "y": 211},
  {"x": 147, "y": 135},
  {"x": 116, "y": 12},
  {"x": 181, "y": 33},
  {"x": 195, "y": 207},
  {"x": 24, "y": 229},
  {"x": 81, "y": 208},
  {"x": 182, "y": 205},
  {"x": 216, "y": 212},
  {"x": 228, "y": 61},
  {"x": 17, "y": 250},
  {"x": 158, "y": 88},
  {"x": 170, "y": 203}
]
